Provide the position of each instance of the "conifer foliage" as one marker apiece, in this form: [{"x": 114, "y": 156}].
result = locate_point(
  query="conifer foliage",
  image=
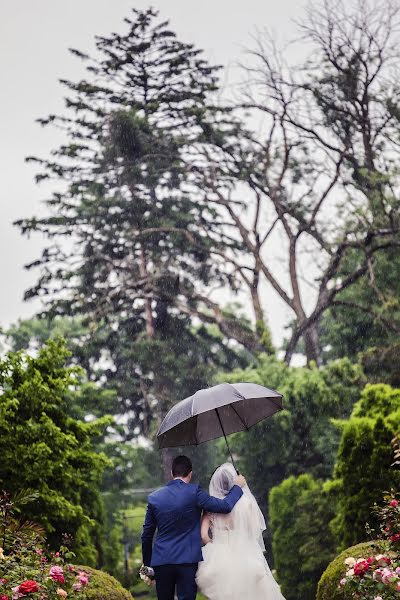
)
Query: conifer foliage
[{"x": 141, "y": 236}]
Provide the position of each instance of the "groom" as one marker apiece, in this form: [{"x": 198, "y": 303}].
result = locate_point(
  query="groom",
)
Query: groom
[{"x": 175, "y": 511}]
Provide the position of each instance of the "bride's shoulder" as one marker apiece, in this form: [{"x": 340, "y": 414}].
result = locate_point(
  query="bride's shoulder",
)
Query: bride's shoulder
[{"x": 243, "y": 502}]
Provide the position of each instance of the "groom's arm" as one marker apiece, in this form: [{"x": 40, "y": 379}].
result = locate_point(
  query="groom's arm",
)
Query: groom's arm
[
  {"x": 215, "y": 505},
  {"x": 149, "y": 528}
]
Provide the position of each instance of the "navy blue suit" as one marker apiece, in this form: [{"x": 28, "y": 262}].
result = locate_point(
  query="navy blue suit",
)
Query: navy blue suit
[{"x": 175, "y": 512}]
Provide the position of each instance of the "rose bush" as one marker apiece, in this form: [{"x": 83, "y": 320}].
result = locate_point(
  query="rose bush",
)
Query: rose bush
[
  {"x": 377, "y": 576},
  {"x": 28, "y": 569},
  {"x": 32, "y": 572}
]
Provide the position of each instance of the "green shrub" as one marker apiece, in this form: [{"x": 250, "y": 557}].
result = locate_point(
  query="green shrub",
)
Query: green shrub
[
  {"x": 328, "y": 586},
  {"x": 301, "y": 438},
  {"x": 104, "y": 587},
  {"x": 379, "y": 400},
  {"x": 43, "y": 448},
  {"x": 364, "y": 460},
  {"x": 300, "y": 508}
]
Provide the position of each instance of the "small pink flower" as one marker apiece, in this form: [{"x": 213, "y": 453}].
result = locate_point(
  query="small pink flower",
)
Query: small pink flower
[
  {"x": 83, "y": 578},
  {"x": 388, "y": 576},
  {"x": 57, "y": 574},
  {"x": 16, "y": 593}
]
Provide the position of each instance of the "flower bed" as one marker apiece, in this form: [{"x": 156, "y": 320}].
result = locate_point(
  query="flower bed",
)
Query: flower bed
[
  {"x": 32, "y": 572},
  {"x": 328, "y": 586},
  {"x": 29, "y": 570},
  {"x": 368, "y": 571},
  {"x": 35, "y": 578}
]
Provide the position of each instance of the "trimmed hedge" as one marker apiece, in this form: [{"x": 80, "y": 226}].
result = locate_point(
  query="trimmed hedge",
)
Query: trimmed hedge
[
  {"x": 328, "y": 586},
  {"x": 103, "y": 586}
]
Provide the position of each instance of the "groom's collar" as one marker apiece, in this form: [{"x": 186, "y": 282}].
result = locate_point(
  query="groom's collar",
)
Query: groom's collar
[{"x": 173, "y": 481}]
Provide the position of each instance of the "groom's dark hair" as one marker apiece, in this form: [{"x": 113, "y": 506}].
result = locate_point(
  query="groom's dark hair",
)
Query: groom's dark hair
[{"x": 181, "y": 466}]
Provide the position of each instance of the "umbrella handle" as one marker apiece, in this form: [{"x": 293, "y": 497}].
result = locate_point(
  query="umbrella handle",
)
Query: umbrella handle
[{"x": 226, "y": 441}]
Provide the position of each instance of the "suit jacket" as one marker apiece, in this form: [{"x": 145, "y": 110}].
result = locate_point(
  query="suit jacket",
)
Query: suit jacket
[{"x": 175, "y": 512}]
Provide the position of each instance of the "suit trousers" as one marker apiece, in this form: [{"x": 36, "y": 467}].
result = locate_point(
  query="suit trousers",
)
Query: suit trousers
[{"x": 181, "y": 577}]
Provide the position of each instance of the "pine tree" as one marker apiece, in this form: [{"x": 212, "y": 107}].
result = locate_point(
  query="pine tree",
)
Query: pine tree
[{"x": 144, "y": 241}]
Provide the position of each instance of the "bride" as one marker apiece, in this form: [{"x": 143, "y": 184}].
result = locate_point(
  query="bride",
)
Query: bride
[{"x": 234, "y": 566}]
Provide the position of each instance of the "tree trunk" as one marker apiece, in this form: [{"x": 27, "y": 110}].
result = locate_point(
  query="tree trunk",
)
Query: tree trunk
[
  {"x": 167, "y": 456},
  {"x": 262, "y": 330},
  {"x": 160, "y": 387},
  {"x": 312, "y": 344},
  {"x": 311, "y": 340},
  {"x": 147, "y": 303},
  {"x": 291, "y": 347},
  {"x": 255, "y": 296}
]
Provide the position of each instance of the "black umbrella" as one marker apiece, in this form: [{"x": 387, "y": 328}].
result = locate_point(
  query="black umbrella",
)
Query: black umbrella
[{"x": 217, "y": 411}]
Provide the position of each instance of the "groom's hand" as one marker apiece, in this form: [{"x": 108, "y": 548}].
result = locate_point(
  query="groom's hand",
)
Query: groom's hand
[{"x": 240, "y": 481}]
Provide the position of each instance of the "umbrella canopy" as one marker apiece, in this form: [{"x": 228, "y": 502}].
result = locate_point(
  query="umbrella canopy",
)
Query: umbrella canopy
[{"x": 217, "y": 411}]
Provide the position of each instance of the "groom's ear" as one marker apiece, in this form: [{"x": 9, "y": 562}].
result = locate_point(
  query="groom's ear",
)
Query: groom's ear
[{"x": 190, "y": 475}]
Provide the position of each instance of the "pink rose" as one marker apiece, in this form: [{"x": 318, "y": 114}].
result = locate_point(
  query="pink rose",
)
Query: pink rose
[
  {"x": 83, "y": 578},
  {"x": 57, "y": 574},
  {"x": 16, "y": 593},
  {"x": 388, "y": 576}
]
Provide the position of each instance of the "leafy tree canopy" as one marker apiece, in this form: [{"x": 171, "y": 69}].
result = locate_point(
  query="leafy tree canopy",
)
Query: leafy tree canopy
[{"x": 43, "y": 448}]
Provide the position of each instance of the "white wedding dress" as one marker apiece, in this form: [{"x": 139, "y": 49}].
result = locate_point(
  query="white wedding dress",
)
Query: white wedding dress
[{"x": 234, "y": 567}]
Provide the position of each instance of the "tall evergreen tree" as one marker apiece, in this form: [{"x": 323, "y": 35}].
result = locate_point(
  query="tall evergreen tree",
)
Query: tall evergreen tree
[{"x": 144, "y": 240}]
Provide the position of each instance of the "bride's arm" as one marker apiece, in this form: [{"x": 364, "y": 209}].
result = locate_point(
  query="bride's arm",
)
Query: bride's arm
[{"x": 205, "y": 526}]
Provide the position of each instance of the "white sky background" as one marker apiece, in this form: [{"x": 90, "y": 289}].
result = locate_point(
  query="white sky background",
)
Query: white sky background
[{"x": 35, "y": 36}]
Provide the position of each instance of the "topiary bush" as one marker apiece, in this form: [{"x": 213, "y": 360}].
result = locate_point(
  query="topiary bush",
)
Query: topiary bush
[
  {"x": 103, "y": 586},
  {"x": 364, "y": 460},
  {"x": 328, "y": 586},
  {"x": 302, "y": 545}
]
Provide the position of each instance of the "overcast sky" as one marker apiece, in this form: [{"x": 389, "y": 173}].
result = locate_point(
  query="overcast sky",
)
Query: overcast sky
[{"x": 35, "y": 36}]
